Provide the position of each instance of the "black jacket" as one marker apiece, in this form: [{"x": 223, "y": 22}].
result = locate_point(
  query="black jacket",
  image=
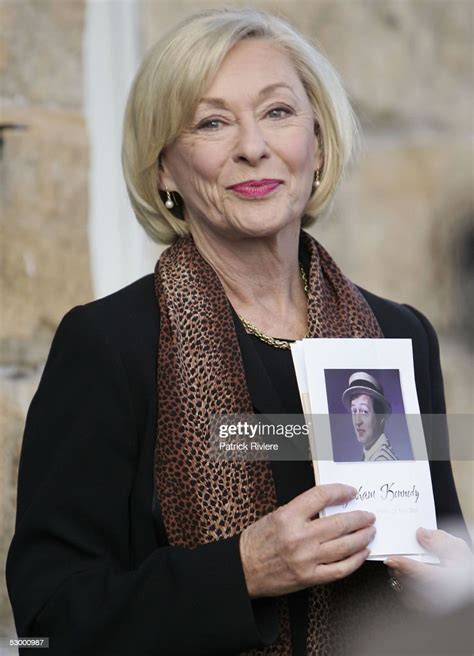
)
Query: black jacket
[{"x": 89, "y": 565}]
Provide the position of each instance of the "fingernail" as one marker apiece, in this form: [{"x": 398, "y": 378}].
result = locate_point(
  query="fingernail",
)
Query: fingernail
[
  {"x": 424, "y": 533},
  {"x": 371, "y": 517},
  {"x": 390, "y": 562},
  {"x": 353, "y": 492}
]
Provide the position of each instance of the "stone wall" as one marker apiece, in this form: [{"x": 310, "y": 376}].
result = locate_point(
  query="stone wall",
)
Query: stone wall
[
  {"x": 44, "y": 194},
  {"x": 398, "y": 226}
]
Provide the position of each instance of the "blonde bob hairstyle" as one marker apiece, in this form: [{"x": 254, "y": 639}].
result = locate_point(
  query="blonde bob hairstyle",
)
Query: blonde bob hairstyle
[{"x": 173, "y": 78}]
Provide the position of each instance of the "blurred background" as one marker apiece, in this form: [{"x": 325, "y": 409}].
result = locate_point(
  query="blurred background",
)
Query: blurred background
[{"x": 402, "y": 225}]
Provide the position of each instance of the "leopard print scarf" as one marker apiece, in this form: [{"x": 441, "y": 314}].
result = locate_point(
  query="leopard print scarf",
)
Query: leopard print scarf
[{"x": 200, "y": 373}]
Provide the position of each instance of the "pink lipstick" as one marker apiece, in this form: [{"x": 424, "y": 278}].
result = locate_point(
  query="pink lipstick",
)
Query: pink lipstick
[{"x": 256, "y": 188}]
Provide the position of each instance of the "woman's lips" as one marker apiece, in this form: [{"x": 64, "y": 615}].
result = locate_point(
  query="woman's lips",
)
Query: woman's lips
[{"x": 256, "y": 188}]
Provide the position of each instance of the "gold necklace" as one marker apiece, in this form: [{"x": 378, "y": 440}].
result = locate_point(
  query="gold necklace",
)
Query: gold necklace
[{"x": 268, "y": 339}]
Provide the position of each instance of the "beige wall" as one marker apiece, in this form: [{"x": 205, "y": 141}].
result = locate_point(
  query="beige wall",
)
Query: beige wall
[
  {"x": 397, "y": 228},
  {"x": 44, "y": 250}
]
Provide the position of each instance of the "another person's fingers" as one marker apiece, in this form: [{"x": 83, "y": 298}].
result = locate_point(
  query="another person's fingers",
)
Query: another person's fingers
[
  {"x": 442, "y": 544},
  {"x": 403, "y": 566}
]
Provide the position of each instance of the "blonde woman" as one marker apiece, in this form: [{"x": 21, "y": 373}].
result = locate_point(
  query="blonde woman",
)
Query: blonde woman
[{"x": 129, "y": 538}]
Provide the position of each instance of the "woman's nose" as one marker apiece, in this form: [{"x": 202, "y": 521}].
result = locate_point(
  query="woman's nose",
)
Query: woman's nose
[{"x": 251, "y": 145}]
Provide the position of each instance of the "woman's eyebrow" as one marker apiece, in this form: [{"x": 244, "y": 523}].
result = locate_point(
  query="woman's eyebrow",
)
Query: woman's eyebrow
[
  {"x": 267, "y": 91},
  {"x": 263, "y": 93},
  {"x": 214, "y": 102}
]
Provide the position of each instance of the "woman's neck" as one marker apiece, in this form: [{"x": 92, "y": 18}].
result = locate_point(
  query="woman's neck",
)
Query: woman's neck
[{"x": 261, "y": 278}]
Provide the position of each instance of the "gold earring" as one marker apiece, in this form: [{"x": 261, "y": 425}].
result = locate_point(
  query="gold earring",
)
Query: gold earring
[
  {"x": 317, "y": 181},
  {"x": 168, "y": 203}
]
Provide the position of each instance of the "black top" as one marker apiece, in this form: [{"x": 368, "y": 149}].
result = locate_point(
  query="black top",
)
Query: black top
[
  {"x": 291, "y": 478},
  {"x": 89, "y": 565}
]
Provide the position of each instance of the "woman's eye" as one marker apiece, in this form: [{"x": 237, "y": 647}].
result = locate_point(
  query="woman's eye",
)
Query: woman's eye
[
  {"x": 210, "y": 124},
  {"x": 279, "y": 112}
]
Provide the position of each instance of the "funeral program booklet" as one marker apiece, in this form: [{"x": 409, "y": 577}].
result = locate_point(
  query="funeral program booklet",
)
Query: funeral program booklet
[{"x": 359, "y": 398}]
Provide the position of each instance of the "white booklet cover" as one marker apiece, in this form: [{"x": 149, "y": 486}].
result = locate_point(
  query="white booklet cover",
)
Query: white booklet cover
[{"x": 359, "y": 396}]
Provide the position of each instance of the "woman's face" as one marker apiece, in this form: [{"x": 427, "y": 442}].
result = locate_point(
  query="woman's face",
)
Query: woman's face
[{"x": 246, "y": 165}]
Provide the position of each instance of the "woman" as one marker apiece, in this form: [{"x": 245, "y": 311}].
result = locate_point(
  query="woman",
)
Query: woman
[{"x": 129, "y": 539}]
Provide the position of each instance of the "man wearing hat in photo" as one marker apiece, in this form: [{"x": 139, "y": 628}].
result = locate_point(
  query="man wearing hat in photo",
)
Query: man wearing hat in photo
[{"x": 365, "y": 400}]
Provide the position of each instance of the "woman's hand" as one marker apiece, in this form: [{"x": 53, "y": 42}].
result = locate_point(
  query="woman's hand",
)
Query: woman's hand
[
  {"x": 436, "y": 588},
  {"x": 289, "y": 549}
]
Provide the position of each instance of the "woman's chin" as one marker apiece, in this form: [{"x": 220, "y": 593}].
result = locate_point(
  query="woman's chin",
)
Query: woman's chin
[{"x": 261, "y": 227}]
